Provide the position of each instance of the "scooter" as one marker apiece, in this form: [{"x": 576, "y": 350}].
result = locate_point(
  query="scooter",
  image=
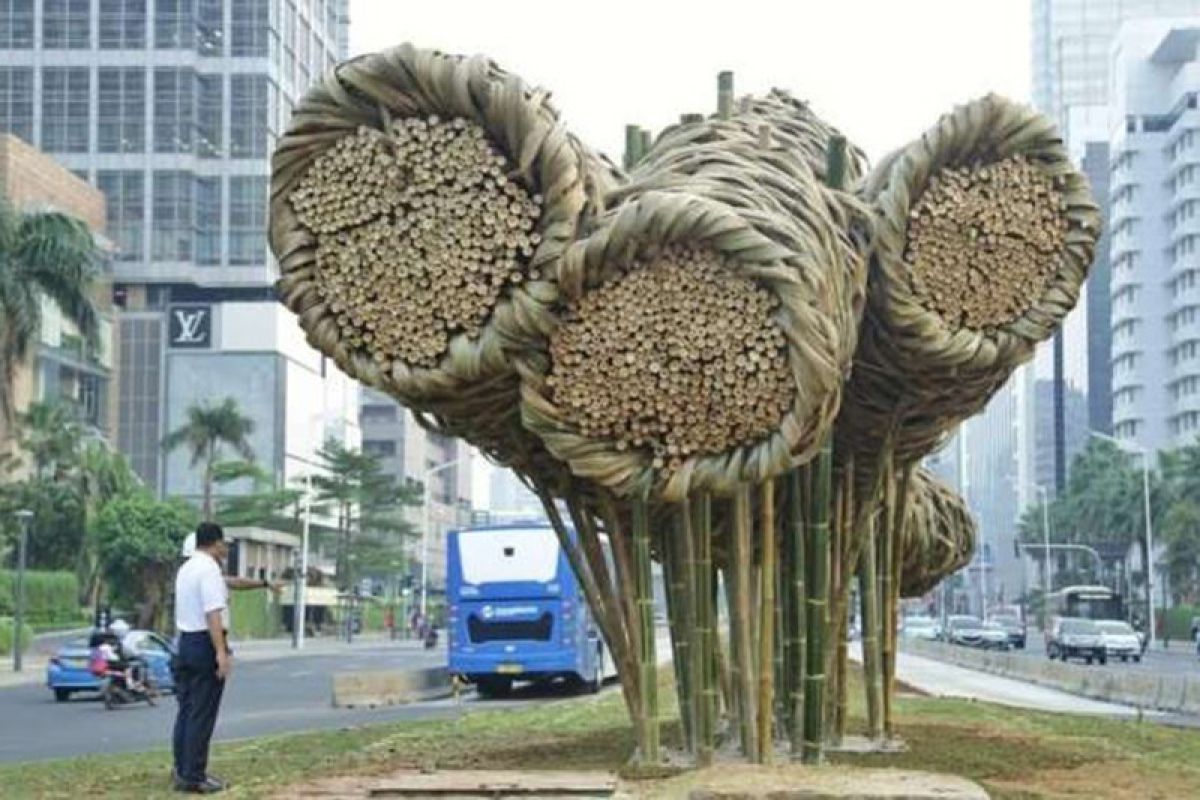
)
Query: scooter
[{"x": 116, "y": 690}]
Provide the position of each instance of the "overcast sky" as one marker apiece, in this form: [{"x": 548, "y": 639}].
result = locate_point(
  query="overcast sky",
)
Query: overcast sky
[{"x": 881, "y": 70}]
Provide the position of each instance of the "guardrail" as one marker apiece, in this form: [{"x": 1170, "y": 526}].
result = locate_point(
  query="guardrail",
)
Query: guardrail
[{"x": 1177, "y": 693}]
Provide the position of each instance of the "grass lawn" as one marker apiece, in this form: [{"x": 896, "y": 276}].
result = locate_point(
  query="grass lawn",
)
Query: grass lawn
[{"x": 1014, "y": 754}]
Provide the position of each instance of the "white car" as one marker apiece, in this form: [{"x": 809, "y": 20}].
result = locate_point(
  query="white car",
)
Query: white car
[
  {"x": 1120, "y": 640},
  {"x": 993, "y": 636},
  {"x": 924, "y": 628}
]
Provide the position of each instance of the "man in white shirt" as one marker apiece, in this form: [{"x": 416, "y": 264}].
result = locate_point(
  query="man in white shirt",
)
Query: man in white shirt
[{"x": 204, "y": 661}]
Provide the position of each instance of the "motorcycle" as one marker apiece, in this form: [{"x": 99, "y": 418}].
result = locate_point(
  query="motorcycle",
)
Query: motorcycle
[
  {"x": 431, "y": 638},
  {"x": 116, "y": 690}
]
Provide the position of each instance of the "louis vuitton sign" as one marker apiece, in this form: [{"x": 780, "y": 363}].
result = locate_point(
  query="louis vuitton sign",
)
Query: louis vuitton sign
[{"x": 190, "y": 326}]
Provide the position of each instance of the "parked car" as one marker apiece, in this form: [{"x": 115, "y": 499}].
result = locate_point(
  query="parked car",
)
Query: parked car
[
  {"x": 1014, "y": 627},
  {"x": 68, "y": 673},
  {"x": 1120, "y": 640},
  {"x": 1070, "y": 637},
  {"x": 920, "y": 627}
]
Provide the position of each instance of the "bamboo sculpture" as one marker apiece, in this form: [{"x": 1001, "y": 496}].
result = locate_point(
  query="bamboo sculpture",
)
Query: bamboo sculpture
[{"x": 729, "y": 358}]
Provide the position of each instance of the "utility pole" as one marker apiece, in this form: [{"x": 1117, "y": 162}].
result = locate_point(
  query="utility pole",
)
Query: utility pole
[{"x": 24, "y": 516}]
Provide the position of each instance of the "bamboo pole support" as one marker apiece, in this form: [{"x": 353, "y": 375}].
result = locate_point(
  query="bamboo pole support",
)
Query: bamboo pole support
[
  {"x": 743, "y": 646},
  {"x": 888, "y": 544},
  {"x": 869, "y": 613},
  {"x": 704, "y": 654},
  {"x": 644, "y": 588},
  {"x": 724, "y": 94},
  {"x": 817, "y": 604},
  {"x": 633, "y": 144},
  {"x": 794, "y": 526},
  {"x": 766, "y": 615}
]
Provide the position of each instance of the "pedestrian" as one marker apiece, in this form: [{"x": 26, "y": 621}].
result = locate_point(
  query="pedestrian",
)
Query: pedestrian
[{"x": 203, "y": 661}]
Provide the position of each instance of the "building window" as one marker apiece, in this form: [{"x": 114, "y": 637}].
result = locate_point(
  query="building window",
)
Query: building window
[
  {"x": 210, "y": 115},
  {"x": 251, "y": 24},
  {"x": 122, "y": 24},
  {"x": 208, "y": 221},
  {"x": 381, "y": 448},
  {"x": 66, "y": 24},
  {"x": 172, "y": 220},
  {"x": 379, "y": 412},
  {"x": 210, "y": 27},
  {"x": 247, "y": 220},
  {"x": 174, "y": 24},
  {"x": 122, "y": 110},
  {"x": 174, "y": 110},
  {"x": 248, "y": 115},
  {"x": 16, "y": 24},
  {"x": 125, "y": 199},
  {"x": 16, "y": 101},
  {"x": 65, "y": 109}
]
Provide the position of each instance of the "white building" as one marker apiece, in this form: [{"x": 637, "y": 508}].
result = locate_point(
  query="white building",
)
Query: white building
[
  {"x": 172, "y": 108},
  {"x": 511, "y": 499},
  {"x": 414, "y": 455},
  {"x": 1154, "y": 145}
]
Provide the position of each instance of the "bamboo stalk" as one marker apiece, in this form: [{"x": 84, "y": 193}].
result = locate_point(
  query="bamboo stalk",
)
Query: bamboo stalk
[
  {"x": 644, "y": 589},
  {"x": 766, "y": 643},
  {"x": 704, "y": 666},
  {"x": 680, "y": 620},
  {"x": 899, "y": 520},
  {"x": 633, "y": 144},
  {"x": 888, "y": 542},
  {"x": 601, "y": 605},
  {"x": 796, "y": 582},
  {"x": 724, "y": 94},
  {"x": 816, "y": 604},
  {"x": 743, "y": 646},
  {"x": 869, "y": 602}
]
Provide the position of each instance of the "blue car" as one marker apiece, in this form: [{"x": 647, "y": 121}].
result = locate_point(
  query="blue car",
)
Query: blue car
[{"x": 68, "y": 671}]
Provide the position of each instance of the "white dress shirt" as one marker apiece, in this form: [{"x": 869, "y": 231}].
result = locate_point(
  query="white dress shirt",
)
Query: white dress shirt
[{"x": 199, "y": 589}]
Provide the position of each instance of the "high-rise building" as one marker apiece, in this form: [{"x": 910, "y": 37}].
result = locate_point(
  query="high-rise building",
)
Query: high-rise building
[
  {"x": 414, "y": 455},
  {"x": 508, "y": 498},
  {"x": 1154, "y": 150},
  {"x": 172, "y": 108},
  {"x": 1072, "y": 43},
  {"x": 1075, "y": 408},
  {"x": 61, "y": 365}
]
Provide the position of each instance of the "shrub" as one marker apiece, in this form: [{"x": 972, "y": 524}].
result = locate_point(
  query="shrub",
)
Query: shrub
[{"x": 6, "y": 636}]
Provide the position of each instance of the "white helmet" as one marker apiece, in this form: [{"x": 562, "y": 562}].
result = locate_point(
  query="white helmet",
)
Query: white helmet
[
  {"x": 189, "y": 546},
  {"x": 120, "y": 628}
]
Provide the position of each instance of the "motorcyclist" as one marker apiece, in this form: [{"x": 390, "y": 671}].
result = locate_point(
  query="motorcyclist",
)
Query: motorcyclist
[{"x": 129, "y": 657}]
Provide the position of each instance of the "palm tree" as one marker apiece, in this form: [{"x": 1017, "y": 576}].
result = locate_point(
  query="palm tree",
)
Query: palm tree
[
  {"x": 208, "y": 427},
  {"x": 42, "y": 254}
]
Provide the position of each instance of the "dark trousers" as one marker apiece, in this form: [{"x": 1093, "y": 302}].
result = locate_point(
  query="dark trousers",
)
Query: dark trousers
[{"x": 198, "y": 690}]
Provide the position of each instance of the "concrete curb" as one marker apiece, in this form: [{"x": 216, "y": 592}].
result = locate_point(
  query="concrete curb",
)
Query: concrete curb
[
  {"x": 1174, "y": 693},
  {"x": 389, "y": 687}
]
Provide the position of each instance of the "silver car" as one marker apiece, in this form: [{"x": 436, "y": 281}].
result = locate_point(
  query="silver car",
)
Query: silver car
[{"x": 1120, "y": 640}]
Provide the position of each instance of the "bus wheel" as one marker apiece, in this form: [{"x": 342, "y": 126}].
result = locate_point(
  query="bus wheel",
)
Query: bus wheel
[{"x": 494, "y": 686}]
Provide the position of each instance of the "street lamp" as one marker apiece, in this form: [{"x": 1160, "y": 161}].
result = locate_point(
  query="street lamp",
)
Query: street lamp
[
  {"x": 1145, "y": 454},
  {"x": 300, "y": 584},
  {"x": 429, "y": 473},
  {"x": 24, "y": 516}
]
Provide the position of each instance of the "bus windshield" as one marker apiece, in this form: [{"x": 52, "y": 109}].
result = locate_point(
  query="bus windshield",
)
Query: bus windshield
[{"x": 516, "y": 555}]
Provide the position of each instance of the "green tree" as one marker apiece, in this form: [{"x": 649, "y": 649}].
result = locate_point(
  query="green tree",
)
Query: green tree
[
  {"x": 1181, "y": 534},
  {"x": 103, "y": 476},
  {"x": 265, "y": 504},
  {"x": 209, "y": 428},
  {"x": 139, "y": 544},
  {"x": 367, "y": 506},
  {"x": 50, "y": 434},
  {"x": 42, "y": 254}
]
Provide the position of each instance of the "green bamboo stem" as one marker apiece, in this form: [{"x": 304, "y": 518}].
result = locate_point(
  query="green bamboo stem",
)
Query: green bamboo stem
[
  {"x": 725, "y": 94},
  {"x": 766, "y": 615},
  {"x": 743, "y": 646},
  {"x": 676, "y": 575},
  {"x": 816, "y": 604},
  {"x": 888, "y": 543},
  {"x": 730, "y": 676},
  {"x": 648, "y": 662},
  {"x": 633, "y": 145},
  {"x": 898, "y": 521},
  {"x": 794, "y": 527},
  {"x": 869, "y": 602},
  {"x": 704, "y": 666}
]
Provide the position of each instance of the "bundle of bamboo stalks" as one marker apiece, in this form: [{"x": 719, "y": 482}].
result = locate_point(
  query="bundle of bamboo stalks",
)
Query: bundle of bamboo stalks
[
  {"x": 734, "y": 204},
  {"x": 418, "y": 201}
]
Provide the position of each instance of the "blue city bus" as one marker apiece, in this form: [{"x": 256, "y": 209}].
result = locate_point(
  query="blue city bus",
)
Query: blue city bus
[{"x": 516, "y": 611}]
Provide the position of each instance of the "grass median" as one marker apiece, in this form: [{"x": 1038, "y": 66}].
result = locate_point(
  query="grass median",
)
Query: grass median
[{"x": 1012, "y": 753}]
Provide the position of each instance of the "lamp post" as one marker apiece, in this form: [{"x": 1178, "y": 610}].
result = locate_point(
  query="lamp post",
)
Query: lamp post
[
  {"x": 1145, "y": 454},
  {"x": 24, "y": 517},
  {"x": 429, "y": 473},
  {"x": 1046, "y": 542},
  {"x": 300, "y": 585}
]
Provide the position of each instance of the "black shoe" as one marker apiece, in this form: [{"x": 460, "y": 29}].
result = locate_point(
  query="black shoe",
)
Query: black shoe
[{"x": 207, "y": 786}]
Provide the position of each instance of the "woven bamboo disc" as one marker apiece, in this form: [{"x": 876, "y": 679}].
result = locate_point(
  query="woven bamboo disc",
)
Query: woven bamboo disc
[
  {"x": 939, "y": 535},
  {"x": 375, "y": 93},
  {"x": 918, "y": 371},
  {"x": 740, "y": 188}
]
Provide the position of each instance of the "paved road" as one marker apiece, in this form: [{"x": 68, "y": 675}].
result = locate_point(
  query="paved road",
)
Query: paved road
[{"x": 1175, "y": 661}]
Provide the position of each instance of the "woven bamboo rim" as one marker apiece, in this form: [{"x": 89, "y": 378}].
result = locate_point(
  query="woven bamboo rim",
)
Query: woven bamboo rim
[
  {"x": 939, "y": 535},
  {"x": 914, "y": 375},
  {"x": 404, "y": 82}
]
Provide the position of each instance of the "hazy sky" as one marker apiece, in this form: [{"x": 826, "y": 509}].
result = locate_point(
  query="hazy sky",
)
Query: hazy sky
[{"x": 881, "y": 70}]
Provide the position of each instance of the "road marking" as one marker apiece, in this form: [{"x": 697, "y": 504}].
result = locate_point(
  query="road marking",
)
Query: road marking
[{"x": 301, "y": 674}]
